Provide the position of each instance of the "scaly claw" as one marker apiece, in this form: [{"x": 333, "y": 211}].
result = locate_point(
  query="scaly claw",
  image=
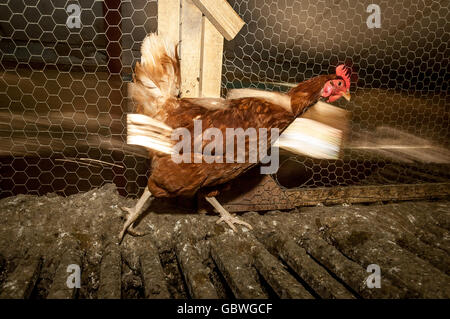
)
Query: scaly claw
[
  {"x": 133, "y": 214},
  {"x": 129, "y": 227},
  {"x": 131, "y": 230},
  {"x": 230, "y": 220},
  {"x": 225, "y": 216},
  {"x": 127, "y": 209}
]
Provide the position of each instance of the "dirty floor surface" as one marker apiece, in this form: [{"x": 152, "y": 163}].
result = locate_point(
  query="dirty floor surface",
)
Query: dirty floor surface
[{"x": 312, "y": 252}]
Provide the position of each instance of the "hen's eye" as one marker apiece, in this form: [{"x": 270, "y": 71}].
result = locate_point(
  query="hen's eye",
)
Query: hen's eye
[{"x": 339, "y": 83}]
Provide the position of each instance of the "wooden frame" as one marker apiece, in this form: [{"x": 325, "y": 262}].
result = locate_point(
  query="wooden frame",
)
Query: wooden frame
[
  {"x": 199, "y": 27},
  {"x": 260, "y": 196}
]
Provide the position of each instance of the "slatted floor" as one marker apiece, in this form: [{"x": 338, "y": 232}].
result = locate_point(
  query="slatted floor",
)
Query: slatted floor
[{"x": 312, "y": 252}]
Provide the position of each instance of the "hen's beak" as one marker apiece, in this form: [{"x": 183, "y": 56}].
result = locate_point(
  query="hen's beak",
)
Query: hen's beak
[{"x": 346, "y": 95}]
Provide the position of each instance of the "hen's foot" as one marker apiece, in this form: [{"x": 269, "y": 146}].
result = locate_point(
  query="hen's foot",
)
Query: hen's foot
[
  {"x": 133, "y": 214},
  {"x": 225, "y": 216},
  {"x": 230, "y": 220},
  {"x": 130, "y": 217}
]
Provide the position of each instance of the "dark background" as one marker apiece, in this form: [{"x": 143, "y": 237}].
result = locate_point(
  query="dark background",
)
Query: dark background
[{"x": 63, "y": 92}]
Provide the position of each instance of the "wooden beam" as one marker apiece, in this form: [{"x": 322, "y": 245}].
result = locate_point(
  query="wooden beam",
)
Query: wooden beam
[
  {"x": 367, "y": 194},
  {"x": 253, "y": 192},
  {"x": 169, "y": 19},
  {"x": 222, "y": 16},
  {"x": 20, "y": 283},
  {"x": 190, "y": 49},
  {"x": 211, "y": 60},
  {"x": 339, "y": 195}
]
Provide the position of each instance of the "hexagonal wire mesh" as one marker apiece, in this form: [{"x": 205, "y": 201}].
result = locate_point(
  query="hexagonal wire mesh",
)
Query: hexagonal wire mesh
[{"x": 63, "y": 92}]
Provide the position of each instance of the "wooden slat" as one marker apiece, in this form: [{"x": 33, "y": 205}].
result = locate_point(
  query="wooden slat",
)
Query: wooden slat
[
  {"x": 169, "y": 19},
  {"x": 312, "y": 273},
  {"x": 235, "y": 265},
  {"x": 190, "y": 49},
  {"x": 196, "y": 275},
  {"x": 349, "y": 271},
  {"x": 21, "y": 282},
  {"x": 283, "y": 283},
  {"x": 367, "y": 194},
  {"x": 403, "y": 268},
  {"x": 153, "y": 277},
  {"x": 110, "y": 273},
  {"x": 211, "y": 60},
  {"x": 222, "y": 16},
  {"x": 59, "y": 288},
  {"x": 251, "y": 197}
]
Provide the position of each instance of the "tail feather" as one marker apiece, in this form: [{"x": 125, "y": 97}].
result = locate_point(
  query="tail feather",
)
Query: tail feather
[{"x": 157, "y": 77}]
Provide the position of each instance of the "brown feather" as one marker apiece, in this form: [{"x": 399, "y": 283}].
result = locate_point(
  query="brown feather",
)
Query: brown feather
[
  {"x": 155, "y": 88},
  {"x": 169, "y": 179},
  {"x": 307, "y": 91}
]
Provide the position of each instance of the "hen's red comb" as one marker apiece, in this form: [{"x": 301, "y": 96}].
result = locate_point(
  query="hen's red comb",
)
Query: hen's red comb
[{"x": 344, "y": 72}]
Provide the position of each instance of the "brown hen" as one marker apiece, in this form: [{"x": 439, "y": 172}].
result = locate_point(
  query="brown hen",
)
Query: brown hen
[{"x": 155, "y": 91}]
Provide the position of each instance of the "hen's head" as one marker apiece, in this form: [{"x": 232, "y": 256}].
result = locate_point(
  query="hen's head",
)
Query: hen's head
[{"x": 340, "y": 86}]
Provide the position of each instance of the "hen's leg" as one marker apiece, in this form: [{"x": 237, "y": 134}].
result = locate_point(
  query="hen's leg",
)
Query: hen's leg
[
  {"x": 133, "y": 214},
  {"x": 225, "y": 216}
]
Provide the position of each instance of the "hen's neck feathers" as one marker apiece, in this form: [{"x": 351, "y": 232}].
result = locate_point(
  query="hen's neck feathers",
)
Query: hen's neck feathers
[{"x": 308, "y": 93}]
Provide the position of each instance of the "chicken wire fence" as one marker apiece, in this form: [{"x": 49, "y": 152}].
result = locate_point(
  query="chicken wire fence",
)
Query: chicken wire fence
[{"x": 63, "y": 87}]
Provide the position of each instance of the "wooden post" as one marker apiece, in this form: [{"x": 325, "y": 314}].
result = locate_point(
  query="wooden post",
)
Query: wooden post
[
  {"x": 222, "y": 16},
  {"x": 169, "y": 19},
  {"x": 199, "y": 27},
  {"x": 211, "y": 60},
  {"x": 190, "y": 48}
]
